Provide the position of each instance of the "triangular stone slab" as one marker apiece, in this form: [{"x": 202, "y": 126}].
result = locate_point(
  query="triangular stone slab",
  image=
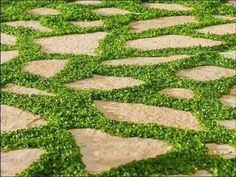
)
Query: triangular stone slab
[
  {"x": 8, "y": 55},
  {"x": 88, "y": 2},
  {"x": 178, "y": 92},
  {"x": 229, "y": 54},
  {"x": 220, "y": 29},
  {"x": 167, "y": 6},
  {"x": 228, "y": 123},
  {"x": 202, "y": 173},
  {"x": 15, "y": 161},
  {"x": 43, "y": 11},
  {"x": 45, "y": 68},
  {"x": 224, "y": 150},
  {"x": 13, "y": 119},
  {"x": 8, "y": 39},
  {"x": 88, "y": 23},
  {"x": 229, "y": 99},
  {"x": 110, "y": 11},
  {"x": 141, "y": 113},
  {"x": 102, "y": 151}
]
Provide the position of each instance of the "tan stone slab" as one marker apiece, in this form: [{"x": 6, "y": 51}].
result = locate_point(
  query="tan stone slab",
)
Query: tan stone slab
[
  {"x": 87, "y": 2},
  {"x": 45, "y": 68},
  {"x": 12, "y": 88},
  {"x": 233, "y": 2},
  {"x": 224, "y": 150},
  {"x": 202, "y": 173},
  {"x": 8, "y": 39},
  {"x": 105, "y": 83},
  {"x": 229, "y": 54},
  {"x": 43, "y": 11},
  {"x": 228, "y": 123},
  {"x": 29, "y": 24},
  {"x": 110, "y": 11},
  {"x": 229, "y": 99},
  {"x": 225, "y": 17},
  {"x": 8, "y": 55},
  {"x": 141, "y": 113},
  {"x": 170, "y": 41},
  {"x": 167, "y": 6},
  {"x": 88, "y": 23},
  {"x": 206, "y": 73},
  {"x": 15, "y": 161},
  {"x": 220, "y": 29},
  {"x": 102, "y": 151},
  {"x": 73, "y": 44},
  {"x": 143, "y": 25},
  {"x": 178, "y": 92},
  {"x": 13, "y": 119}
]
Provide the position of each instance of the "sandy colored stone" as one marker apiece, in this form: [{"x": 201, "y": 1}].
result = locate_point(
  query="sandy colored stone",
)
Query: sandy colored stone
[
  {"x": 88, "y": 23},
  {"x": 141, "y": 113},
  {"x": 143, "y": 25},
  {"x": 16, "y": 161},
  {"x": 228, "y": 123},
  {"x": 167, "y": 6},
  {"x": 178, "y": 92},
  {"x": 202, "y": 173},
  {"x": 8, "y": 55},
  {"x": 102, "y": 151},
  {"x": 110, "y": 11},
  {"x": 170, "y": 41},
  {"x": 88, "y": 2},
  {"x": 220, "y": 29},
  {"x": 229, "y": 99},
  {"x": 229, "y": 54},
  {"x": 206, "y": 73},
  {"x": 45, "y": 68},
  {"x": 233, "y": 2},
  {"x": 72, "y": 44},
  {"x": 8, "y": 39},
  {"x": 105, "y": 83},
  {"x": 12, "y": 88},
  {"x": 224, "y": 150},
  {"x": 13, "y": 119},
  {"x": 225, "y": 17},
  {"x": 43, "y": 11}
]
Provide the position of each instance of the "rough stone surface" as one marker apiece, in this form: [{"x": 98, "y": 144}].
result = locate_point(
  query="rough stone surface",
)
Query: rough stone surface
[
  {"x": 111, "y": 11},
  {"x": 206, "y": 73},
  {"x": 8, "y": 39},
  {"x": 229, "y": 54},
  {"x": 202, "y": 173},
  {"x": 73, "y": 44},
  {"x": 225, "y": 17},
  {"x": 233, "y": 2},
  {"x": 140, "y": 113},
  {"x": 43, "y": 11},
  {"x": 228, "y": 123},
  {"x": 220, "y": 29},
  {"x": 87, "y": 2},
  {"x": 8, "y": 55},
  {"x": 102, "y": 151},
  {"x": 88, "y": 23},
  {"x": 224, "y": 150},
  {"x": 167, "y": 6},
  {"x": 170, "y": 41},
  {"x": 229, "y": 99},
  {"x": 105, "y": 83},
  {"x": 16, "y": 161},
  {"x": 178, "y": 92}
]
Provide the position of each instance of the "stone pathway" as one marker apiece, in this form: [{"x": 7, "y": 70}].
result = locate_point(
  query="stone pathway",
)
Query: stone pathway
[
  {"x": 228, "y": 123},
  {"x": 43, "y": 11},
  {"x": 87, "y": 2},
  {"x": 88, "y": 23},
  {"x": 167, "y": 6},
  {"x": 178, "y": 92},
  {"x": 8, "y": 39},
  {"x": 111, "y": 11},
  {"x": 229, "y": 54},
  {"x": 224, "y": 150},
  {"x": 8, "y": 55},
  {"x": 220, "y": 29},
  {"x": 229, "y": 99}
]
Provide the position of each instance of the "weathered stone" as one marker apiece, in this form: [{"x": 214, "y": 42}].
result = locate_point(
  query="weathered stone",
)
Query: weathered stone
[
  {"x": 88, "y": 23},
  {"x": 224, "y": 150},
  {"x": 178, "y": 92},
  {"x": 229, "y": 99},
  {"x": 8, "y": 55},
  {"x": 43, "y": 11},
  {"x": 167, "y": 6},
  {"x": 110, "y": 11},
  {"x": 228, "y": 123},
  {"x": 8, "y": 39},
  {"x": 229, "y": 54},
  {"x": 220, "y": 29},
  {"x": 87, "y": 2}
]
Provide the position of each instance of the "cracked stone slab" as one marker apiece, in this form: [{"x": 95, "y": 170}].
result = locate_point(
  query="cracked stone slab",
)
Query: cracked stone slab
[
  {"x": 15, "y": 161},
  {"x": 225, "y": 17},
  {"x": 88, "y": 2},
  {"x": 101, "y": 151},
  {"x": 13, "y": 118},
  {"x": 110, "y": 11},
  {"x": 220, "y": 29},
  {"x": 229, "y": 54},
  {"x": 228, "y": 123},
  {"x": 229, "y": 99},
  {"x": 141, "y": 113},
  {"x": 224, "y": 150},
  {"x": 178, "y": 92},
  {"x": 139, "y": 26},
  {"x": 8, "y": 39},
  {"x": 170, "y": 41},
  {"x": 88, "y": 23},
  {"x": 72, "y": 44},
  {"x": 12, "y": 88},
  {"x": 8, "y": 55},
  {"x": 206, "y": 73},
  {"x": 166, "y": 6},
  {"x": 105, "y": 83},
  {"x": 202, "y": 173},
  {"x": 45, "y": 68},
  {"x": 43, "y": 11}
]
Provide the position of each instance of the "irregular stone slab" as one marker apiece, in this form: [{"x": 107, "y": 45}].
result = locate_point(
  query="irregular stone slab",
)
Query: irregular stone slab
[
  {"x": 110, "y": 11},
  {"x": 141, "y": 113},
  {"x": 102, "y": 151},
  {"x": 45, "y": 68},
  {"x": 224, "y": 150},
  {"x": 206, "y": 73},
  {"x": 229, "y": 99},
  {"x": 13, "y": 119},
  {"x": 178, "y": 92},
  {"x": 144, "y": 60},
  {"x": 225, "y": 17},
  {"x": 16, "y": 161},
  {"x": 198, "y": 173},
  {"x": 8, "y": 39},
  {"x": 230, "y": 54},
  {"x": 43, "y": 11},
  {"x": 8, "y": 55},
  {"x": 143, "y": 25},
  {"x": 24, "y": 90},
  {"x": 105, "y": 83},
  {"x": 87, "y": 2},
  {"x": 29, "y": 24},
  {"x": 232, "y": 3},
  {"x": 73, "y": 44},
  {"x": 228, "y": 123},
  {"x": 220, "y": 29},
  {"x": 170, "y": 41},
  {"x": 88, "y": 23},
  {"x": 167, "y": 6}
]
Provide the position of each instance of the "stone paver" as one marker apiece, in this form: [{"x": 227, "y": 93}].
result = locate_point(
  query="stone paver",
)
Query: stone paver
[
  {"x": 233, "y": 2},
  {"x": 167, "y": 6},
  {"x": 220, "y": 29},
  {"x": 228, "y": 123},
  {"x": 8, "y": 55},
  {"x": 88, "y": 23},
  {"x": 225, "y": 17},
  {"x": 178, "y": 92},
  {"x": 105, "y": 83},
  {"x": 8, "y": 39},
  {"x": 229, "y": 99},
  {"x": 110, "y": 11},
  {"x": 202, "y": 173},
  {"x": 229, "y": 54},
  {"x": 88, "y": 2},
  {"x": 72, "y": 44},
  {"x": 206, "y": 73},
  {"x": 13, "y": 118},
  {"x": 224, "y": 150},
  {"x": 43, "y": 11},
  {"x": 102, "y": 151},
  {"x": 170, "y": 41},
  {"x": 141, "y": 113},
  {"x": 16, "y": 161}
]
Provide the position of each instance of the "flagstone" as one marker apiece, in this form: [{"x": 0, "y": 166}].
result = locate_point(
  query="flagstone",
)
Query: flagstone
[
  {"x": 72, "y": 44},
  {"x": 88, "y": 23},
  {"x": 15, "y": 161},
  {"x": 101, "y": 151},
  {"x": 43, "y": 11},
  {"x": 8, "y": 55},
  {"x": 8, "y": 39},
  {"x": 202, "y": 173},
  {"x": 233, "y": 2},
  {"x": 178, "y": 92},
  {"x": 105, "y": 83},
  {"x": 224, "y": 150},
  {"x": 229, "y": 54},
  {"x": 87, "y": 2},
  {"x": 141, "y": 113},
  {"x": 229, "y": 99},
  {"x": 228, "y": 123},
  {"x": 225, "y": 17},
  {"x": 220, "y": 29},
  {"x": 167, "y": 6},
  {"x": 110, "y": 11},
  {"x": 170, "y": 41}
]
